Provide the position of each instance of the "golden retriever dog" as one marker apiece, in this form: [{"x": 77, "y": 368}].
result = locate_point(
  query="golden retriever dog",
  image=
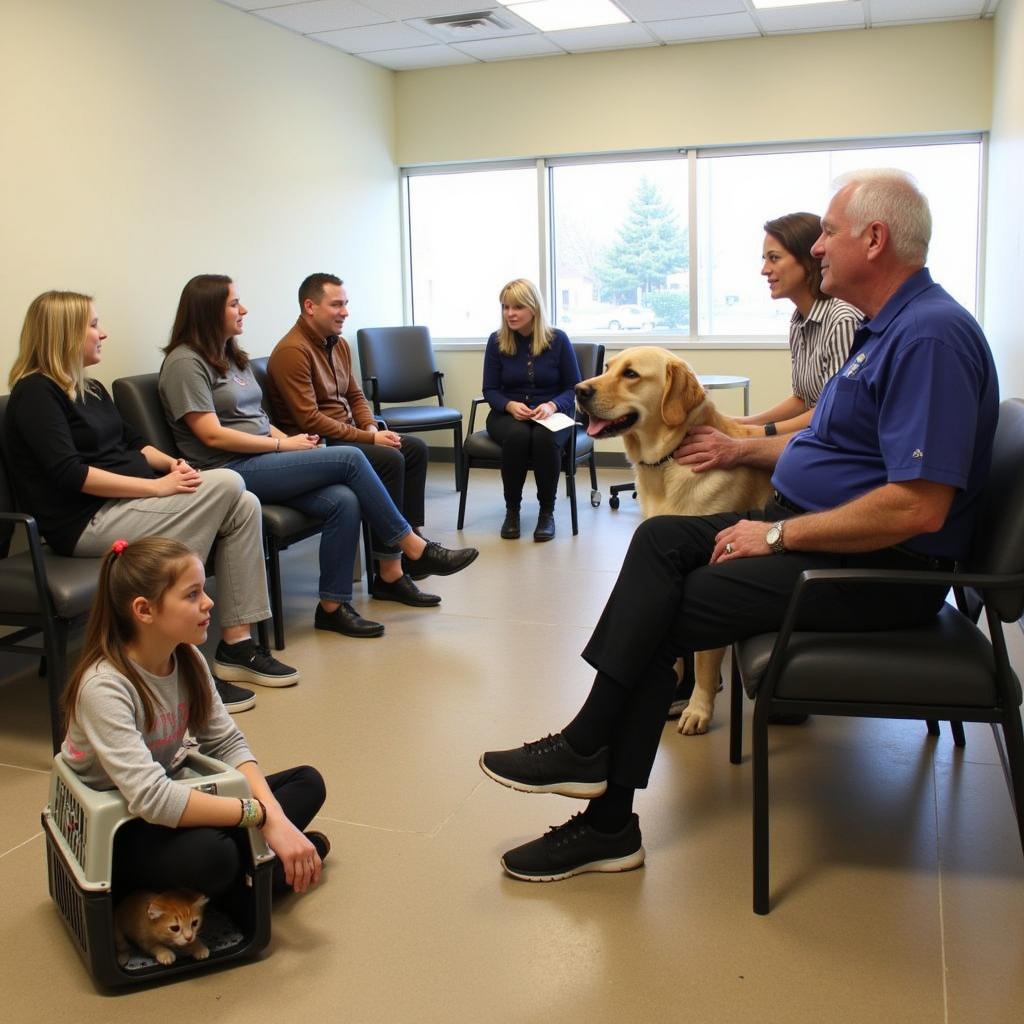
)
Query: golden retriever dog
[{"x": 651, "y": 398}]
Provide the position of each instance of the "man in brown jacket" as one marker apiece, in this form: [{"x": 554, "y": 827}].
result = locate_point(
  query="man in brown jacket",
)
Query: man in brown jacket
[{"x": 312, "y": 390}]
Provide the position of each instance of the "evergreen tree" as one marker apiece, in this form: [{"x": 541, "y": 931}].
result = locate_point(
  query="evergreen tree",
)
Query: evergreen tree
[{"x": 650, "y": 246}]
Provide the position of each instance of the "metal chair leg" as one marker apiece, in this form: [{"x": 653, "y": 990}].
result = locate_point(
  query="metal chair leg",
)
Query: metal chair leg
[
  {"x": 276, "y": 597},
  {"x": 957, "y": 729},
  {"x": 460, "y": 482},
  {"x": 462, "y": 496},
  {"x": 933, "y": 727},
  {"x": 735, "y": 714},
  {"x": 762, "y": 903}
]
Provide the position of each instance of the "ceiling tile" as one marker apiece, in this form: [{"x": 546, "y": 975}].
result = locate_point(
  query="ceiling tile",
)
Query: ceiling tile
[
  {"x": 255, "y": 5},
  {"x": 673, "y": 10},
  {"x": 603, "y": 37},
  {"x": 813, "y": 19},
  {"x": 392, "y": 36},
  {"x": 720, "y": 26},
  {"x": 510, "y": 49},
  {"x": 430, "y": 8},
  {"x": 417, "y": 57},
  {"x": 322, "y": 16},
  {"x": 883, "y": 11}
]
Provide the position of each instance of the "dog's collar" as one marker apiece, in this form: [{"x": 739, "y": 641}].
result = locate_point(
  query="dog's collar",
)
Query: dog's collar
[{"x": 660, "y": 462}]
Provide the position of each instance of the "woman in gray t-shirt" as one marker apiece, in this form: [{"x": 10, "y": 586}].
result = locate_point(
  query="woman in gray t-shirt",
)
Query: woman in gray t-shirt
[{"x": 215, "y": 408}]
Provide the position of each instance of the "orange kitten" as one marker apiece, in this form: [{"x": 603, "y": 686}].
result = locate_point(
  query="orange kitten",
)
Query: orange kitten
[{"x": 158, "y": 921}]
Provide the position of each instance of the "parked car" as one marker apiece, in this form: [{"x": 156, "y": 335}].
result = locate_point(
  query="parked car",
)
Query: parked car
[{"x": 607, "y": 318}]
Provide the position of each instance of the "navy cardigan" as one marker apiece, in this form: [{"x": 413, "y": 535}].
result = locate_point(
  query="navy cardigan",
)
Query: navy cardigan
[{"x": 550, "y": 377}]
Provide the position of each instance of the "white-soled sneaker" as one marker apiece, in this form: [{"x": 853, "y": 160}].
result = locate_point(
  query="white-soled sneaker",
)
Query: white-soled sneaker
[{"x": 247, "y": 662}]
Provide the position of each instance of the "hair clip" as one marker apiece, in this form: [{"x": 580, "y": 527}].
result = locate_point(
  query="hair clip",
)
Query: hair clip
[{"x": 118, "y": 546}]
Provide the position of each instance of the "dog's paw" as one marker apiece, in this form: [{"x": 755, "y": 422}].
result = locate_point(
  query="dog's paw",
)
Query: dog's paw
[{"x": 695, "y": 720}]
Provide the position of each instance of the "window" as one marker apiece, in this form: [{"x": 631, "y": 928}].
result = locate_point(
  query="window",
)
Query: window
[
  {"x": 469, "y": 234},
  {"x": 738, "y": 193},
  {"x": 621, "y": 246},
  {"x": 613, "y": 255}
]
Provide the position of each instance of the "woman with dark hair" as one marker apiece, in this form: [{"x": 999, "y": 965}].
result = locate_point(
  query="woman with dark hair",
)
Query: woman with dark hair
[
  {"x": 530, "y": 372},
  {"x": 215, "y": 409},
  {"x": 821, "y": 330}
]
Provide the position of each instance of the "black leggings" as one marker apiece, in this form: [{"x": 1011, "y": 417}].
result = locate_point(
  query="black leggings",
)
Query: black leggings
[
  {"x": 525, "y": 444},
  {"x": 208, "y": 860}
]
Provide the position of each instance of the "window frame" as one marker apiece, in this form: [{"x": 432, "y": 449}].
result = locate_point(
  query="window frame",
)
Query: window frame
[{"x": 690, "y": 339}]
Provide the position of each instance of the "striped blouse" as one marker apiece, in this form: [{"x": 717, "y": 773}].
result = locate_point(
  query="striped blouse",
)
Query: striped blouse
[{"x": 819, "y": 345}]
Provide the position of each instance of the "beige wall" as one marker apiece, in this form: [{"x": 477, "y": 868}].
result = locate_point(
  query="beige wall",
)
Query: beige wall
[
  {"x": 926, "y": 78},
  {"x": 149, "y": 140},
  {"x": 1004, "y": 269}
]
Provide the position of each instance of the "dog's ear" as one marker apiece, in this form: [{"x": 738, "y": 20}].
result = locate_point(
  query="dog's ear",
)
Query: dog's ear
[{"x": 682, "y": 393}]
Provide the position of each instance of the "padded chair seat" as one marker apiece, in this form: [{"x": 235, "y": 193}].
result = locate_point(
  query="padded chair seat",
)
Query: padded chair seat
[
  {"x": 72, "y": 584},
  {"x": 285, "y": 522},
  {"x": 881, "y": 667},
  {"x": 480, "y": 446},
  {"x": 422, "y": 417}
]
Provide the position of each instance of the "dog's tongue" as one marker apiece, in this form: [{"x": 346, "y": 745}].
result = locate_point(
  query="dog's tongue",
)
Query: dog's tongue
[{"x": 595, "y": 426}]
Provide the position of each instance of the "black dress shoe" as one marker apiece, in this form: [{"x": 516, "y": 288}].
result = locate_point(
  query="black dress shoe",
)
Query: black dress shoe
[
  {"x": 347, "y": 621},
  {"x": 545, "y": 529},
  {"x": 404, "y": 591},
  {"x": 440, "y": 561},
  {"x": 510, "y": 528},
  {"x": 412, "y": 569}
]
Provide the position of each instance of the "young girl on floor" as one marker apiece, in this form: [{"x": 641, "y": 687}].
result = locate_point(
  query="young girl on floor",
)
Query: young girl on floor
[{"x": 139, "y": 687}]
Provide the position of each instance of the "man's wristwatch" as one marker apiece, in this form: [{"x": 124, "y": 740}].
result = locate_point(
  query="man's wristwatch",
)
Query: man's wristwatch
[
  {"x": 773, "y": 538},
  {"x": 770, "y": 430}
]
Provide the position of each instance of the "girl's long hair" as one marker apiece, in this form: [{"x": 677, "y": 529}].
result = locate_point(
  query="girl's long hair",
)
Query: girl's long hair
[
  {"x": 521, "y": 292},
  {"x": 51, "y": 341},
  {"x": 199, "y": 323},
  {"x": 145, "y": 568}
]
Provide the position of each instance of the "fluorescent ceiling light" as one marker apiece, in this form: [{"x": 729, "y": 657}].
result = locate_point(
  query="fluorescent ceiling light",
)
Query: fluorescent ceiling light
[
  {"x": 554, "y": 15},
  {"x": 768, "y": 4}
]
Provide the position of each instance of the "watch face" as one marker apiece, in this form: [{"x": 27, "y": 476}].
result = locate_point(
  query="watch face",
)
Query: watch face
[{"x": 772, "y": 536}]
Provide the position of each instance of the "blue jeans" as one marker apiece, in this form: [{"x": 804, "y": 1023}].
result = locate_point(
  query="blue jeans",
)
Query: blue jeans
[{"x": 337, "y": 485}]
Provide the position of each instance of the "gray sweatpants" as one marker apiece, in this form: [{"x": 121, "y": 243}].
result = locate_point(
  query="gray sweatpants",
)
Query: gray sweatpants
[{"x": 220, "y": 509}]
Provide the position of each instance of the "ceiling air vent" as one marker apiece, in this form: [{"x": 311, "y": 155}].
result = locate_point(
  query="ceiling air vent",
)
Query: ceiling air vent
[{"x": 456, "y": 28}]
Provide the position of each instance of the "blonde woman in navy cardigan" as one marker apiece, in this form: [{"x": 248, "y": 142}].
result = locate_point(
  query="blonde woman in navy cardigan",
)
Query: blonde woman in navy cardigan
[{"x": 530, "y": 373}]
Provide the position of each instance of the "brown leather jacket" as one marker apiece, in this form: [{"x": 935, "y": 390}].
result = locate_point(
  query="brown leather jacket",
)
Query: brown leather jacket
[{"x": 311, "y": 389}]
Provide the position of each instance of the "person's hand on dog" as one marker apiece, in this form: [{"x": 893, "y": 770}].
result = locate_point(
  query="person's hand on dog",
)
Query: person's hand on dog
[
  {"x": 741, "y": 540},
  {"x": 706, "y": 448},
  {"x": 519, "y": 411}
]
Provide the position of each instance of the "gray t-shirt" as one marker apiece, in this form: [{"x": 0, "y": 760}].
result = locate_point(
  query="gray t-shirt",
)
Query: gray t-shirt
[
  {"x": 108, "y": 746},
  {"x": 188, "y": 383}
]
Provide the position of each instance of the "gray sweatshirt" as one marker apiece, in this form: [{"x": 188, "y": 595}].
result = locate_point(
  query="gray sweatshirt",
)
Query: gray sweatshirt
[{"x": 107, "y": 744}]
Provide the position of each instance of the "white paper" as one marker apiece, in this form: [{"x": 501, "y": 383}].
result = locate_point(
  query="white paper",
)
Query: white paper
[{"x": 557, "y": 421}]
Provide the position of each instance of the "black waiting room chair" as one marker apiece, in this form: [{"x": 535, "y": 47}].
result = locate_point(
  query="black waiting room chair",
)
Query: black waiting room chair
[
  {"x": 481, "y": 450},
  {"x": 945, "y": 669},
  {"x": 42, "y": 594},
  {"x": 397, "y": 365}
]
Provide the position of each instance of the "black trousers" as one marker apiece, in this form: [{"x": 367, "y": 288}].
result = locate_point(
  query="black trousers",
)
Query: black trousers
[
  {"x": 208, "y": 860},
  {"x": 668, "y": 600},
  {"x": 525, "y": 444},
  {"x": 402, "y": 471}
]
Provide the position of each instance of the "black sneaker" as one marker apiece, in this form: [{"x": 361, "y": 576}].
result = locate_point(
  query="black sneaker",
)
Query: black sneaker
[
  {"x": 234, "y": 698},
  {"x": 549, "y": 765},
  {"x": 574, "y": 848},
  {"x": 247, "y": 662}
]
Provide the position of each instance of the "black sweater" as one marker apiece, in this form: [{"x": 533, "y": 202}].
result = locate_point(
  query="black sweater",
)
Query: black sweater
[{"x": 50, "y": 444}]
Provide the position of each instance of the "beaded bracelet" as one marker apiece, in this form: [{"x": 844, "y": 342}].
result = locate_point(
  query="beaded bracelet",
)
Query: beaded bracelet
[{"x": 254, "y": 813}]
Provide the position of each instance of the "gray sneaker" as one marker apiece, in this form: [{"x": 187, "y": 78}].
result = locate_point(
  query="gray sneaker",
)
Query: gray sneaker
[{"x": 549, "y": 765}]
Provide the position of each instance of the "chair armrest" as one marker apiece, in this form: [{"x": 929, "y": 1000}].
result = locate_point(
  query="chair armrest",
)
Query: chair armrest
[
  {"x": 35, "y": 550},
  {"x": 472, "y": 413},
  {"x": 439, "y": 386},
  {"x": 382, "y": 424},
  {"x": 372, "y": 393},
  {"x": 810, "y": 578}
]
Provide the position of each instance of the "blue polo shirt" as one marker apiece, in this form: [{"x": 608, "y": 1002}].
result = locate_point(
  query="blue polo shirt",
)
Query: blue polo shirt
[{"x": 917, "y": 399}]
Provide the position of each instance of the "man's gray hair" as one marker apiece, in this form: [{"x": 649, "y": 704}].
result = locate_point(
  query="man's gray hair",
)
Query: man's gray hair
[{"x": 892, "y": 197}]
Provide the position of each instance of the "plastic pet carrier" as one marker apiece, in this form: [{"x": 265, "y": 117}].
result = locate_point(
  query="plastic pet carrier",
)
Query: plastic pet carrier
[{"x": 80, "y": 824}]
